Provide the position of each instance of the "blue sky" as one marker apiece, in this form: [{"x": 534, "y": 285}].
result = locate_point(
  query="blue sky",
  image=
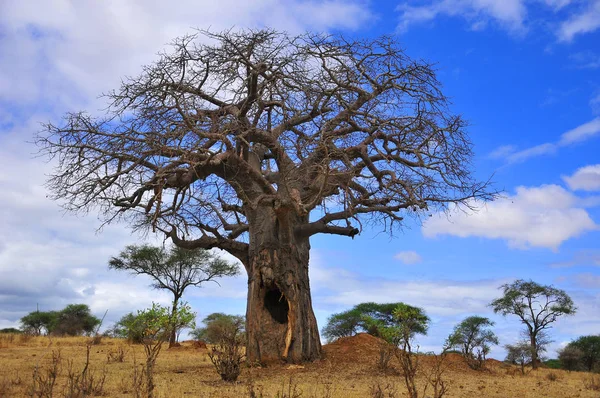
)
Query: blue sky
[{"x": 524, "y": 73}]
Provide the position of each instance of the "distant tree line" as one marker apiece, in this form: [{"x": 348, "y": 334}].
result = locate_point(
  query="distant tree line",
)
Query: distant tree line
[
  {"x": 536, "y": 306},
  {"x": 73, "y": 320}
]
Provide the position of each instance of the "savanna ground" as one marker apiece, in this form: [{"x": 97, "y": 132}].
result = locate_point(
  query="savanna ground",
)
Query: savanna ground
[{"x": 347, "y": 371}]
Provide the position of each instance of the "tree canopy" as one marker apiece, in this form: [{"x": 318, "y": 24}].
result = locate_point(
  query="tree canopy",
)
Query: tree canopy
[
  {"x": 350, "y": 129},
  {"x": 38, "y": 322},
  {"x": 73, "y": 320},
  {"x": 253, "y": 141},
  {"x": 219, "y": 326},
  {"x": 354, "y": 320},
  {"x": 589, "y": 347},
  {"x": 474, "y": 338},
  {"x": 537, "y": 306},
  {"x": 406, "y": 322}
]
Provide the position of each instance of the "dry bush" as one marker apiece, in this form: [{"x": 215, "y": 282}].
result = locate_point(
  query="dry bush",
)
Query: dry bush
[
  {"x": 96, "y": 339},
  {"x": 435, "y": 377},
  {"x": 85, "y": 383},
  {"x": 387, "y": 391},
  {"x": 410, "y": 365},
  {"x": 551, "y": 376},
  {"x": 386, "y": 353},
  {"x": 116, "y": 355},
  {"x": 139, "y": 380},
  {"x": 289, "y": 389},
  {"x": 44, "y": 380}
]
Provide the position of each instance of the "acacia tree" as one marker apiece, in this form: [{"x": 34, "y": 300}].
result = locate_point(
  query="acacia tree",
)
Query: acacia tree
[
  {"x": 258, "y": 141},
  {"x": 359, "y": 319},
  {"x": 474, "y": 338},
  {"x": 537, "y": 306},
  {"x": 173, "y": 269},
  {"x": 37, "y": 321}
]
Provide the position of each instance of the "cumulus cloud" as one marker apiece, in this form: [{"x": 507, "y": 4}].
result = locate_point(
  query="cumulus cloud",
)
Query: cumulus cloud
[
  {"x": 509, "y": 14},
  {"x": 574, "y": 136},
  {"x": 408, "y": 257},
  {"x": 544, "y": 216},
  {"x": 586, "y": 178},
  {"x": 586, "y": 21}
]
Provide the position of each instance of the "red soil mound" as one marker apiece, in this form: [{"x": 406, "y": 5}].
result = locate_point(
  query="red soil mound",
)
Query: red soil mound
[{"x": 364, "y": 348}]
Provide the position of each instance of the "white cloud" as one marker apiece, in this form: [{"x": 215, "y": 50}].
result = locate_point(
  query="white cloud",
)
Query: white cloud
[
  {"x": 585, "y": 22},
  {"x": 69, "y": 52},
  {"x": 510, "y": 14},
  {"x": 581, "y": 133},
  {"x": 586, "y": 178},
  {"x": 502, "y": 152},
  {"x": 544, "y": 216},
  {"x": 57, "y": 56},
  {"x": 408, "y": 257},
  {"x": 574, "y": 136}
]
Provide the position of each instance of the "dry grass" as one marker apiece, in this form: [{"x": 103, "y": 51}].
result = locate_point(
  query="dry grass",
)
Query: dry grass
[{"x": 187, "y": 371}]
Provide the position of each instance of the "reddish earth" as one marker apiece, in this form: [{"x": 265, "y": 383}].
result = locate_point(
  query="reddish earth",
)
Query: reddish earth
[{"x": 364, "y": 348}]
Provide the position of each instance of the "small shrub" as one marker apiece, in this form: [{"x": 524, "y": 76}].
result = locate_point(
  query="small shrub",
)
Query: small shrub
[
  {"x": 386, "y": 353},
  {"x": 44, "y": 380},
  {"x": 85, "y": 383},
  {"x": 117, "y": 355},
  {"x": 227, "y": 357},
  {"x": 551, "y": 376},
  {"x": 290, "y": 390},
  {"x": 96, "y": 339},
  {"x": 228, "y": 354},
  {"x": 387, "y": 391},
  {"x": 435, "y": 377}
]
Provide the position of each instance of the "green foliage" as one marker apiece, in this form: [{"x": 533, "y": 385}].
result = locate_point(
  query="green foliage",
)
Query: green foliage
[
  {"x": 553, "y": 364},
  {"x": 350, "y": 322},
  {"x": 11, "y": 330},
  {"x": 173, "y": 268},
  {"x": 74, "y": 320},
  {"x": 405, "y": 322},
  {"x": 155, "y": 324},
  {"x": 590, "y": 351},
  {"x": 570, "y": 358},
  {"x": 126, "y": 328},
  {"x": 537, "y": 306},
  {"x": 39, "y": 322},
  {"x": 474, "y": 339},
  {"x": 219, "y": 326}
]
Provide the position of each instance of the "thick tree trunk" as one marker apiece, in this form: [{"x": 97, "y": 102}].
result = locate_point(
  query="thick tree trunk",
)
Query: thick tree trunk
[
  {"x": 534, "y": 352},
  {"x": 280, "y": 321}
]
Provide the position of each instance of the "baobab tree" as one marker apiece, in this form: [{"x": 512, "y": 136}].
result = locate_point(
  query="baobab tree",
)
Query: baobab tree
[{"x": 257, "y": 141}]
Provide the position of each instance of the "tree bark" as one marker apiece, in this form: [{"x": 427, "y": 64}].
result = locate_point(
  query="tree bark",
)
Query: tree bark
[
  {"x": 280, "y": 323},
  {"x": 173, "y": 332},
  {"x": 534, "y": 353}
]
